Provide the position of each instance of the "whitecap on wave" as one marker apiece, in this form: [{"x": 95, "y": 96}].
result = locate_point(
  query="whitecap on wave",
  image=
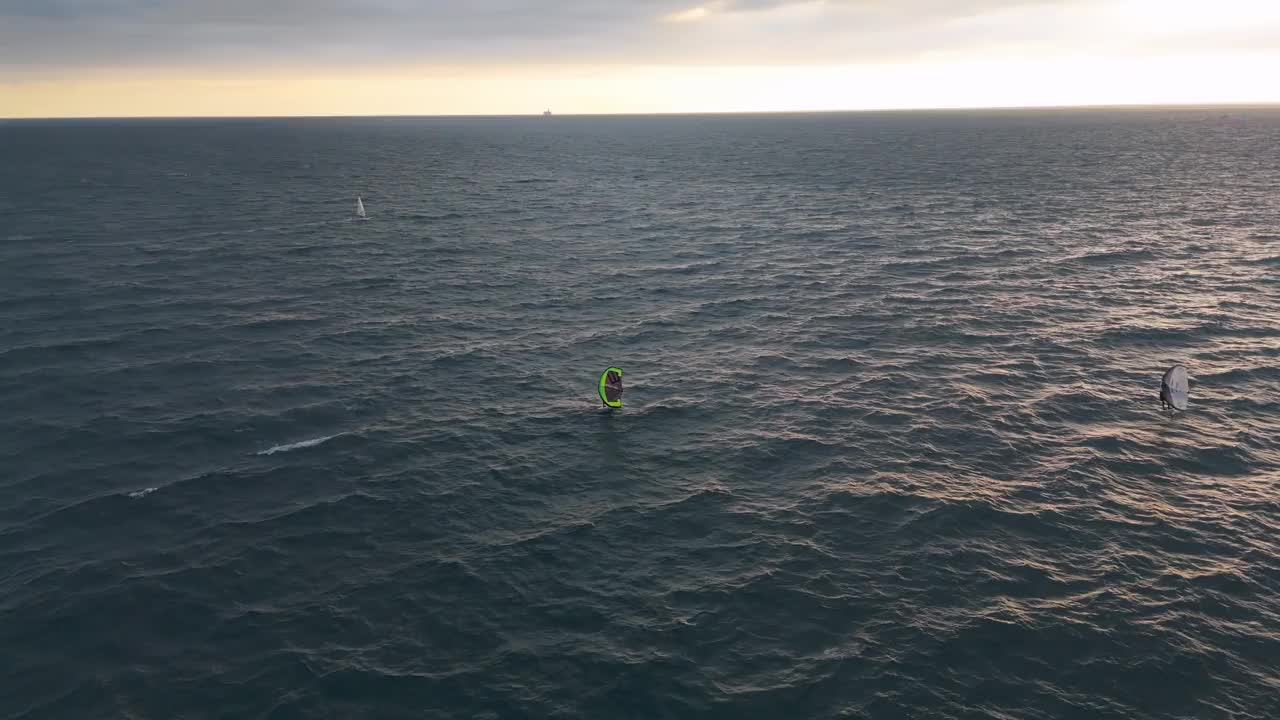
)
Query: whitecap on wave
[{"x": 298, "y": 445}]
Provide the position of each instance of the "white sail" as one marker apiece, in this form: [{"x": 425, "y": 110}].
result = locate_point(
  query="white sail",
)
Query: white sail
[{"x": 360, "y": 208}]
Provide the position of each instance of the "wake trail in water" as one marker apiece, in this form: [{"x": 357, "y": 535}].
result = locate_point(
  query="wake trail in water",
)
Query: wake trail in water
[{"x": 299, "y": 445}]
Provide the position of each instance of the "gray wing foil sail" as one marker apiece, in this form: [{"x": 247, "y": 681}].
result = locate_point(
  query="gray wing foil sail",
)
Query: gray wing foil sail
[{"x": 1175, "y": 387}]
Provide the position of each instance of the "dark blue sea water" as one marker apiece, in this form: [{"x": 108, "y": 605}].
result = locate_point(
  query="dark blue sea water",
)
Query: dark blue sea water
[{"x": 891, "y": 445}]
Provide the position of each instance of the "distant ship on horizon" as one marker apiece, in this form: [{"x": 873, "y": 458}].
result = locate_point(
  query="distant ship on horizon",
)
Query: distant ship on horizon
[{"x": 546, "y": 113}]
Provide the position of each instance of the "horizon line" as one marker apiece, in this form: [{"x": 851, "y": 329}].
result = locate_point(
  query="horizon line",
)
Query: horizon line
[{"x": 540, "y": 114}]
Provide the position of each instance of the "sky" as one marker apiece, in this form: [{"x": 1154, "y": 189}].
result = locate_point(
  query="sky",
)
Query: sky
[{"x": 77, "y": 58}]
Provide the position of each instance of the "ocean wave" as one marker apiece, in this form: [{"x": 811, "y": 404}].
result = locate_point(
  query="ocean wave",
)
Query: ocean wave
[
  {"x": 299, "y": 445},
  {"x": 1114, "y": 257}
]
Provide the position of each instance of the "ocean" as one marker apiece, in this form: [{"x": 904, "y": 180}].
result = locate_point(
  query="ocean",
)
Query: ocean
[{"x": 891, "y": 445}]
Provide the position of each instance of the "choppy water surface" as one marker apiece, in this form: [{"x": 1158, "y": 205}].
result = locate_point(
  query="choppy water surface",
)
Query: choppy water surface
[{"x": 891, "y": 445}]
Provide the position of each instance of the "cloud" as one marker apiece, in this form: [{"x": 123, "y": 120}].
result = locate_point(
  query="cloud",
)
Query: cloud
[
  {"x": 693, "y": 14},
  {"x": 76, "y": 35}
]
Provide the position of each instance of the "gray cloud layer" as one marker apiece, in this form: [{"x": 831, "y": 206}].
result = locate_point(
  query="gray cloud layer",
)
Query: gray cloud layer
[{"x": 69, "y": 34}]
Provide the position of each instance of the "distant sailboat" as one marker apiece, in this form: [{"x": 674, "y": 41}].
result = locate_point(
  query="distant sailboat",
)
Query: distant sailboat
[{"x": 360, "y": 213}]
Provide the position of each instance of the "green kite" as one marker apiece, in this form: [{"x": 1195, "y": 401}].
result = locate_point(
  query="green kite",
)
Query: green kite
[{"x": 611, "y": 387}]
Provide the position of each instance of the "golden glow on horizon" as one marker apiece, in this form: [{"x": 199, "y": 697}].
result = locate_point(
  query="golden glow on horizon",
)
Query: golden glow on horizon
[{"x": 651, "y": 89}]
